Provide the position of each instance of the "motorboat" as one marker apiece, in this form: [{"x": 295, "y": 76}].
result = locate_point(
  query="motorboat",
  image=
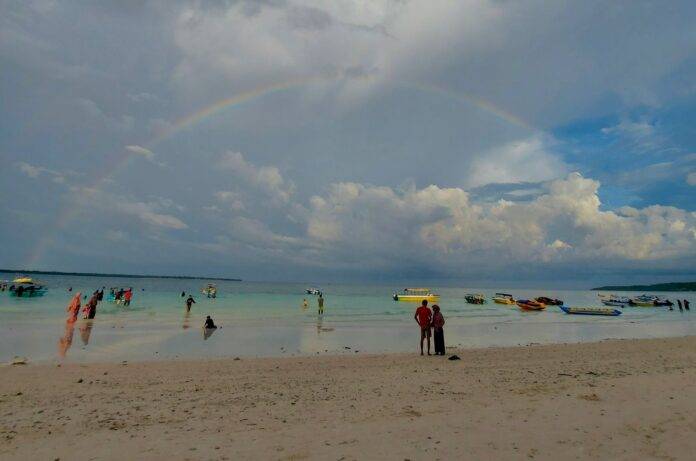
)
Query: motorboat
[
  {"x": 613, "y": 300},
  {"x": 607, "y": 311},
  {"x": 416, "y": 295},
  {"x": 503, "y": 298},
  {"x": 313, "y": 291},
  {"x": 26, "y": 287},
  {"x": 643, "y": 301},
  {"x": 475, "y": 298},
  {"x": 530, "y": 305},
  {"x": 549, "y": 301},
  {"x": 663, "y": 302},
  {"x": 210, "y": 290}
]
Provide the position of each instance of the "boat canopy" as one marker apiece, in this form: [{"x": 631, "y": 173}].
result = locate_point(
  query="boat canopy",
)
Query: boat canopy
[
  {"x": 504, "y": 294},
  {"x": 23, "y": 280},
  {"x": 417, "y": 290}
]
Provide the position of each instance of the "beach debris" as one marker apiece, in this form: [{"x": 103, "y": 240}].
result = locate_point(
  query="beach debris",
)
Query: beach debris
[
  {"x": 454, "y": 357},
  {"x": 80, "y": 380},
  {"x": 237, "y": 358},
  {"x": 19, "y": 361}
]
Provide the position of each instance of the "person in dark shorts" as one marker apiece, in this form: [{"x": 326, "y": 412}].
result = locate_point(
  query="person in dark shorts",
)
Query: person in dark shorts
[
  {"x": 438, "y": 331},
  {"x": 189, "y": 302},
  {"x": 424, "y": 318}
]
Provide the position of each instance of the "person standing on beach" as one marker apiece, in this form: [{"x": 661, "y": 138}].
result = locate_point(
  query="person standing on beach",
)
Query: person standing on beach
[
  {"x": 424, "y": 318},
  {"x": 127, "y": 297},
  {"x": 73, "y": 308},
  {"x": 90, "y": 309},
  {"x": 438, "y": 331},
  {"x": 686, "y": 304},
  {"x": 305, "y": 304},
  {"x": 189, "y": 302},
  {"x": 320, "y": 301}
]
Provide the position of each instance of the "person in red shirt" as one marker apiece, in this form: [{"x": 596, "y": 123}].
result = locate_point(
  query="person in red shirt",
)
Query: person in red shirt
[
  {"x": 127, "y": 296},
  {"x": 424, "y": 317}
]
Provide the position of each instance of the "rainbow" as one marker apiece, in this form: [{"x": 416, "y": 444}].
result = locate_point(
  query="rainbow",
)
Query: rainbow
[{"x": 118, "y": 160}]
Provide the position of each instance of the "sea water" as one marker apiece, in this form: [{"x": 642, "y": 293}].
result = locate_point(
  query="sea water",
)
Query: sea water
[{"x": 268, "y": 319}]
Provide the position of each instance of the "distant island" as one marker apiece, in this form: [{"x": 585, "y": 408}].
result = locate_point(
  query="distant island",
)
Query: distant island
[
  {"x": 130, "y": 276},
  {"x": 674, "y": 286}
]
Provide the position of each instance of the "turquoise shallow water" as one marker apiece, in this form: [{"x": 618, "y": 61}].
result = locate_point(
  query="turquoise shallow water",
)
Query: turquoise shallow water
[{"x": 267, "y": 319}]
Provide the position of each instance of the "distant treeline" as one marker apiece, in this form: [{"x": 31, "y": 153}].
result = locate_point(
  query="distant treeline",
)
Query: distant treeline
[
  {"x": 674, "y": 286},
  {"x": 130, "y": 276}
]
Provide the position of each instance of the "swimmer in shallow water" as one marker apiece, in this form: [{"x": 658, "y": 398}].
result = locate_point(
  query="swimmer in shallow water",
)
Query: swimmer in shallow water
[{"x": 209, "y": 324}]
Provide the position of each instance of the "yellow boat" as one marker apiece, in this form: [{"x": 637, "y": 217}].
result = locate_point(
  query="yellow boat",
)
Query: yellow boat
[
  {"x": 503, "y": 298},
  {"x": 416, "y": 295}
]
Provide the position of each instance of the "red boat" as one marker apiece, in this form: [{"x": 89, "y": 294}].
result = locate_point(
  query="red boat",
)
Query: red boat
[{"x": 530, "y": 305}]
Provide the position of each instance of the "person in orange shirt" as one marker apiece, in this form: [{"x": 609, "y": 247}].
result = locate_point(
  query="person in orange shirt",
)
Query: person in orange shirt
[{"x": 424, "y": 317}]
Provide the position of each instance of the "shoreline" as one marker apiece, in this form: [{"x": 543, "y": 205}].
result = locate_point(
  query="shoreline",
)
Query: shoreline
[{"x": 612, "y": 399}]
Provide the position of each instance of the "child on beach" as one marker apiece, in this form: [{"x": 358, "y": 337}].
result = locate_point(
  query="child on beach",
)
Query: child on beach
[
  {"x": 423, "y": 317},
  {"x": 438, "y": 332}
]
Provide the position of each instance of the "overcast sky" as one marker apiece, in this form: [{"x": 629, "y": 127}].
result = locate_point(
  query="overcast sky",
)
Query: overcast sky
[{"x": 469, "y": 140}]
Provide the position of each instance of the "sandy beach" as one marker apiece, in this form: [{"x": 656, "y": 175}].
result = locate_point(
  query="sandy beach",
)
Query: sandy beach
[{"x": 627, "y": 399}]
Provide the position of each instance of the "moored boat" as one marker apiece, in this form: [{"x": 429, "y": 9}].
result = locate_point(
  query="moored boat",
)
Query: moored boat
[
  {"x": 313, "y": 291},
  {"x": 608, "y": 311},
  {"x": 26, "y": 287},
  {"x": 613, "y": 300},
  {"x": 643, "y": 301},
  {"x": 530, "y": 305},
  {"x": 210, "y": 290},
  {"x": 416, "y": 295},
  {"x": 549, "y": 301},
  {"x": 503, "y": 298},
  {"x": 475, "y": 298}
]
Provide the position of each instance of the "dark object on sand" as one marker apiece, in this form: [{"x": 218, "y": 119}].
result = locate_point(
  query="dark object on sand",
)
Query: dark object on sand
[{"x": 454, "y": 357}]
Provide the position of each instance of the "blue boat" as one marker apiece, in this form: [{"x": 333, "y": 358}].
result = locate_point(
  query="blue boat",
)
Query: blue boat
[{"x": 607, "y": 311}]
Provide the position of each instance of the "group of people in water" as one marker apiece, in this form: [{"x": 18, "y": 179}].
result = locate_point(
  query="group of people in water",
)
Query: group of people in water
[
  {"x": 431, "y": 323},
  {"x": 320, "y": 303},
  {"x": 682, "y": 307}
]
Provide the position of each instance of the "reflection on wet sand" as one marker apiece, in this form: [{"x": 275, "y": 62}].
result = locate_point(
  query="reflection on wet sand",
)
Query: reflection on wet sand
[
  {"x": 187, "y": 319},
  {"x": 208, "y": 332},
  {"x": 66, "y": 340},
  {"x": 86, "y": 331}
]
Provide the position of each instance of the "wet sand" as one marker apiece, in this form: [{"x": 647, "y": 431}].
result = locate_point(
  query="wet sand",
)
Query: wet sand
[{"x": 625, "y": 400}]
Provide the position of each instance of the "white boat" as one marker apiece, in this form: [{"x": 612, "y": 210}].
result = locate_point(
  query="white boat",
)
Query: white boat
[
  {"x": 613, "y": 300},
  {"x": 313, "y": 291}
]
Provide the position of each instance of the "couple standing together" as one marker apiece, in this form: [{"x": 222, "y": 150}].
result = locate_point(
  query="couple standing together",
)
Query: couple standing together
[{"x": 428, "y": 319}]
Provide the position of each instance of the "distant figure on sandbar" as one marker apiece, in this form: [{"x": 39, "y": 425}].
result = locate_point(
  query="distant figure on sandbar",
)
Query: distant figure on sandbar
[
  {"x": 100, "y": 294},
  {"x": 423, "y": 317},
  {"x": 189, "y": 301},
  {"x": 305, "y": 304},
  {"x": 679, "y": 304},
  {"x": 320, "y": 302},
  {"x": 438, "y": 331},
  {"x": 73, "y": 308},
  {"x": 183, "y": 293},
  {"x": 686, "y": 304}
]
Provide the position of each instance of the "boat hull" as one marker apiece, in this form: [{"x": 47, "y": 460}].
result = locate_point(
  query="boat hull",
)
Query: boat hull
[
  {"x": 416, "y": 298},
  {"x": 504, "y": 301},
  {"x": 605, "y": 311},
  {"x": 531, "y": 306}
]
